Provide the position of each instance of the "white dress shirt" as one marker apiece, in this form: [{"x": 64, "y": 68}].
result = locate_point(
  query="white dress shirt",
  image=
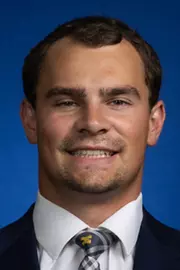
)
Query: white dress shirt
[{"x": 55, "y": 226}]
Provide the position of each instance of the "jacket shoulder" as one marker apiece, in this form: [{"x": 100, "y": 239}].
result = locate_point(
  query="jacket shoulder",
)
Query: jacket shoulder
[
  {"x": 165, "y": 234},
  {"x": 10, "y": 233}
]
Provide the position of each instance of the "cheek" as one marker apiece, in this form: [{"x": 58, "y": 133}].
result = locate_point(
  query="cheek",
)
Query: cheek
[
  {"x": 138, "y": 131},
  {"x": 53, "y": 128},
  {"x": 134, "y": 129}
]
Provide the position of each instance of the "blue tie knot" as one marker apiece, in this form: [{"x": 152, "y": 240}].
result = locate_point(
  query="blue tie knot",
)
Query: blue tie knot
[{"x": 94, "y": 240}]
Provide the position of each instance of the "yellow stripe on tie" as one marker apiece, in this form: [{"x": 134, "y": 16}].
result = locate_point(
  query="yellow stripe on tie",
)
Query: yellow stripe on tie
[{"x": 86, "y": 240}]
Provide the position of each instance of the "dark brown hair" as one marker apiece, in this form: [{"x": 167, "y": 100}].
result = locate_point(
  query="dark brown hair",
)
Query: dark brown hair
[{"x": 93, "y": 31}]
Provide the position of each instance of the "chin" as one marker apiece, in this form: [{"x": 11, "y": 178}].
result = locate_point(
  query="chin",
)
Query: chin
[{"x": 91, "y": 188}]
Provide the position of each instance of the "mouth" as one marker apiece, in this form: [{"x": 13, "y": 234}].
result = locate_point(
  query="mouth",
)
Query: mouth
[{"x": 92, "y": 154}]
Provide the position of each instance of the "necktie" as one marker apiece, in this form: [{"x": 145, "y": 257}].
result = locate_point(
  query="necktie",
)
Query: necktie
[{"x": 94, "y": 243}]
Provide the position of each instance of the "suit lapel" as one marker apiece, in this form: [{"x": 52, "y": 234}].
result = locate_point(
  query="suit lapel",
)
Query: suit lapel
[
  {"x": 151, "y": 253},
  {"x": 21, "y": 253}
]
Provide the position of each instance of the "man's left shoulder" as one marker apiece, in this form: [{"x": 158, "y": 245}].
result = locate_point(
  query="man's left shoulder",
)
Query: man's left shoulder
[{"x": 165, "y": 234}]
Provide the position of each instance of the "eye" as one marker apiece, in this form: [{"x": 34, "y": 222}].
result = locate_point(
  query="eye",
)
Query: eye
[
  {"x": 67, "y": 103},
  {"x": 120, "y": 102}
]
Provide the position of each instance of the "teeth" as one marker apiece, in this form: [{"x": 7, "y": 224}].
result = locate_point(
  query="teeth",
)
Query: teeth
[{"x": 92, "y": 153}]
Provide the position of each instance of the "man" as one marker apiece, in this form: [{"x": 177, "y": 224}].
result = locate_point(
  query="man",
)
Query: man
[{"x": 92, "y": 107}]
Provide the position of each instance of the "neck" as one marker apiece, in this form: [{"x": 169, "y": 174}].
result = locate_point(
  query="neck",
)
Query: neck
[{"x": 93, "y": 209}]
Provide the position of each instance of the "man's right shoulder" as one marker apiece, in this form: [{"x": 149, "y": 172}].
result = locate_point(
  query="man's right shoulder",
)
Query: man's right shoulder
[{"x": 13, "y": 231}]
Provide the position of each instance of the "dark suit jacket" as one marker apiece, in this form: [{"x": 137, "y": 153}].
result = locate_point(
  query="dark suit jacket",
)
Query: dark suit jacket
[{"x": 157, "y": 248}]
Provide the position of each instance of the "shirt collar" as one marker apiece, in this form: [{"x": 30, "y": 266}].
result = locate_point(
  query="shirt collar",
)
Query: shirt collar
[
  {"x": 54, "y": 226},
  {"x": 126, "y": 223}
]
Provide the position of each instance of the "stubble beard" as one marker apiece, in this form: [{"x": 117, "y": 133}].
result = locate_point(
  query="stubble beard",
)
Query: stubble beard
[{"x": 93, "y": 182}]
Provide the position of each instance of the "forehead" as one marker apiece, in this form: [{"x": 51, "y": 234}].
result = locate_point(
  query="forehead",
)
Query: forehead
[{"x": 68, "y": 64}]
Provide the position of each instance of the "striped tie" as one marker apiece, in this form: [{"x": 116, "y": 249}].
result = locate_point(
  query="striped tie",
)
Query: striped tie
[{"x": 94, "y": 243}]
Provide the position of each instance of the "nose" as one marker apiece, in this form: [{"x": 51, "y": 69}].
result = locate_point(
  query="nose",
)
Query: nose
[{"x": 93, "y": 120}]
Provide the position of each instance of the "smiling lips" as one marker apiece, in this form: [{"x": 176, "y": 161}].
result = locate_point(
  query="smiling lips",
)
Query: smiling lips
[{"x": 92, "y": 153}]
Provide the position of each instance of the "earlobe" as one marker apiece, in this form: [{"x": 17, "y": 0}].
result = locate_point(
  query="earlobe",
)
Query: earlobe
[
  {"x": 28, "y": 118},
  {"x": 156, "y": 123}
]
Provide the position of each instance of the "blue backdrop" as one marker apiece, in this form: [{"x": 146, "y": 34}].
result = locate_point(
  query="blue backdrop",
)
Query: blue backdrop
[{"x": 22, "y": 25}]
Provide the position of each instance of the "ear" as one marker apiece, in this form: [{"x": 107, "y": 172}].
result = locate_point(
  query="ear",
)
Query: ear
[
  {"x": 28, "y": 118},
  {"x": 156, "y": 123}
]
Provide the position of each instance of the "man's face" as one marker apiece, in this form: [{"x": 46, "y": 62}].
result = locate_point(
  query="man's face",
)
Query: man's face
[{"x": 93, "y": 99}]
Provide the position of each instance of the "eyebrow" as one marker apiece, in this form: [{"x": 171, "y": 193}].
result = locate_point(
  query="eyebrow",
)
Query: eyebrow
[{"x": 78, "y": 92}]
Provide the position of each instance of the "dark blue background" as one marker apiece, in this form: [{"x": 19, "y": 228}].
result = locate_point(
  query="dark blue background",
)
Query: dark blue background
[{"x": 22, "y": 25}]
